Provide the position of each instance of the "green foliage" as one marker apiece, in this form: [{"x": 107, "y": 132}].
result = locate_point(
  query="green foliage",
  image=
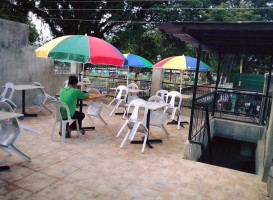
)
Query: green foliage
[
  {"x": 224, "y": 13},
  {"x": 147, "y": 41},
  {"x": 140, "y": 38}
]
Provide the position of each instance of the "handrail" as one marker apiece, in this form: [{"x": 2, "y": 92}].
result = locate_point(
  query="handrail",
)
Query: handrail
[{"x": 202, "y": 131}]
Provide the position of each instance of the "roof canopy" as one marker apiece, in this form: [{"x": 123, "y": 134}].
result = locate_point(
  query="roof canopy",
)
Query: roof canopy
[{"x": 225, "y": 37}]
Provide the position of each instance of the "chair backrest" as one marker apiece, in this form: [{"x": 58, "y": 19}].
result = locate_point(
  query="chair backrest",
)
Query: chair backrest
[
  {"x": 4, "y": 106},
  {"x": 93, "y": 91},
  {"x": 86, "y": 80},
  {"x": 172, "y": 96},
  {"x": 65, "y": 84},
  {"x": 9, "y": 87},
  {"x": 96, "y": 105},
  {"x": 85, "y": 87},
  {"x": 40, "y": 95},
  {"x": 132, "y": 86},
  {"x": 156, "y": 99},
  {"x": 162, "y": 93},
  {"x": 138, "y": 103},
  {"x": 58, "y": 105},
  {"x": 122, "y": 90}
]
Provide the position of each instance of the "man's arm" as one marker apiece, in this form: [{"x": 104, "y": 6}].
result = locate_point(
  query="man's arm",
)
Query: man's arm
[{"x": 82, "y": 95}]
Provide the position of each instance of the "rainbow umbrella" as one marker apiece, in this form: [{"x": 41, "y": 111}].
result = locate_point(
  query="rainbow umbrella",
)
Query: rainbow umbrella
[
  {"x": 81, "y": 48},
  {"x": 136, "y": 61},
  {"x": 181, "y": 63}
]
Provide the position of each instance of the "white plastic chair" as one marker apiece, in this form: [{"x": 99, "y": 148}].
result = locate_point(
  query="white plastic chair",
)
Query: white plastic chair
[
  {"x": 58, "y": 118},
  {"x": 65, "y": 84},
  {"x": 95, "y": 107},
  {"x": 6, "y": 107},
  {"x": 11, "y": 132},
  {"x": 8, "y": 136},
  {"x": 41, "y": 96},
  {"x": 5, "y": 97},
  {"x": 132, "y": 96},
  {"x": 176, "y": 109},
  {"x": 85, "y": 88},
  {"x": 121, "y": 97},
  {"x": 134, "y": 123},
  {"x": 158, "y": 117},
  {"x": 162, "y": 93}
]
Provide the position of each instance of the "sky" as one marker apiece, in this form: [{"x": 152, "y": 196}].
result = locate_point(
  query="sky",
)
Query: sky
[{"x": 42, "y": 28}]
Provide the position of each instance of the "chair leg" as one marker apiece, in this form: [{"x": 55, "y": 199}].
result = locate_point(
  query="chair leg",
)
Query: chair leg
[
  {"x": 111, "y": 102},
  {"x": 134, "y": 130},
  {"x": 30, "y": 129},
  {"x": 19, "y": 152},
  {"x": 173, "y": 114},
  {"x": 122, "y": 128},
  {"x": 144, "y": 142},
  {"x": 5, "y": 150},
  {"x": 78, "y": 131},
  {"x": 115, "y": 108},
  {"x": 101, "y": 119},
  {"x": 90, "y": 119},
  {"x": 178, "y": 123},
  {"x": 53, "y": 129},
  {"x": 47, "y": 109},
  {"x": 125, "y": 139},
  {"x": 125, "y": 112},
  {"x": 63, "y": 131},
  {"x": 164, "y": 129}
]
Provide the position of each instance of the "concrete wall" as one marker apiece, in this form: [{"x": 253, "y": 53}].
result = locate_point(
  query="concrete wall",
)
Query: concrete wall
[
  {"x": 18, "y": 63},
  {"x": 193, "y": 151},
  {"x": 238, "y": 130},
  {"x": 229, "y": 129}
]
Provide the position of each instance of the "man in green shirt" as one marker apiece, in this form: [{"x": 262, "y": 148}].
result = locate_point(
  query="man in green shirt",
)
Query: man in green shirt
[{"x": 69, "y": 96}]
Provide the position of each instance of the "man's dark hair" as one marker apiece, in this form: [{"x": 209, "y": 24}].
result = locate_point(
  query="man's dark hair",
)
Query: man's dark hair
[{"x": 72, "y": 80}]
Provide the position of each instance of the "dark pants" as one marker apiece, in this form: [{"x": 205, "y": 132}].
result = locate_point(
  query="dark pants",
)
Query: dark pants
[{"x": 79, "y": 116}]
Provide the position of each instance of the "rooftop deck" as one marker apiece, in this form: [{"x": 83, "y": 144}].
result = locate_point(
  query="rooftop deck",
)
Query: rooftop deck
[{"x": 94, "y": 167}]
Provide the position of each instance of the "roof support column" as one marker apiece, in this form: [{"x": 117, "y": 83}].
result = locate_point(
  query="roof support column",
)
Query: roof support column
[
  {"x": 267, "y": 90},
  {"x": 217, "y": 83},
  {"x": 195, "y": 87}
]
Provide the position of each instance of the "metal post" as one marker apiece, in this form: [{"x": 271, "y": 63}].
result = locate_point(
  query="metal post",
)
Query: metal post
[
  {"x": 195, "y": 87},
  {"x": 208, "y": 134},
  {"x": 267, "y": 89},
  {"x": 216, "y": 84}
]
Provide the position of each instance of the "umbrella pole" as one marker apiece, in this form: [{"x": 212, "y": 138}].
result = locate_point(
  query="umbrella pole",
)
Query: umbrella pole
[
  {"x": 181, "y": 76},
  {"x": 127, "y": 76}
]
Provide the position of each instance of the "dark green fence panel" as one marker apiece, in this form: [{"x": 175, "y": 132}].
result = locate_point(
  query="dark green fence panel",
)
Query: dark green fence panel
[{"x": 248, "y": 81}]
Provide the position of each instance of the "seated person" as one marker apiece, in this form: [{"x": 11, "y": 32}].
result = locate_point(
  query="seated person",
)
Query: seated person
[{"x": 69, "y": 96}]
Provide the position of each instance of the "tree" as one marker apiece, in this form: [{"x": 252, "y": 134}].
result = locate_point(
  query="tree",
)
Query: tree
[{"x": 12, "y": 14}]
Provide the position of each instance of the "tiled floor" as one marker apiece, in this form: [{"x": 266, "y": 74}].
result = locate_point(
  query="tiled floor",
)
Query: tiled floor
[{"x": 94, "y": 167}]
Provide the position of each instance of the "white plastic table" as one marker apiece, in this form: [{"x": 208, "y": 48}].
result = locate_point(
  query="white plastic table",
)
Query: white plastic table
[
  {"x": 4, "y": 116},
  {"x": 23, "y": 88},
  {"x": 130, "y": 90},
  {"x": 9, "y": 115},
  {"x": 151, "y": 106}
]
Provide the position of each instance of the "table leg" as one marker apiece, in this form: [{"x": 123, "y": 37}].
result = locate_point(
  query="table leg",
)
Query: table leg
[
  {"x": 82, "y": 129},
  {"x": 24, "y": 106},
  {"x": 148, "y": 142}
]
